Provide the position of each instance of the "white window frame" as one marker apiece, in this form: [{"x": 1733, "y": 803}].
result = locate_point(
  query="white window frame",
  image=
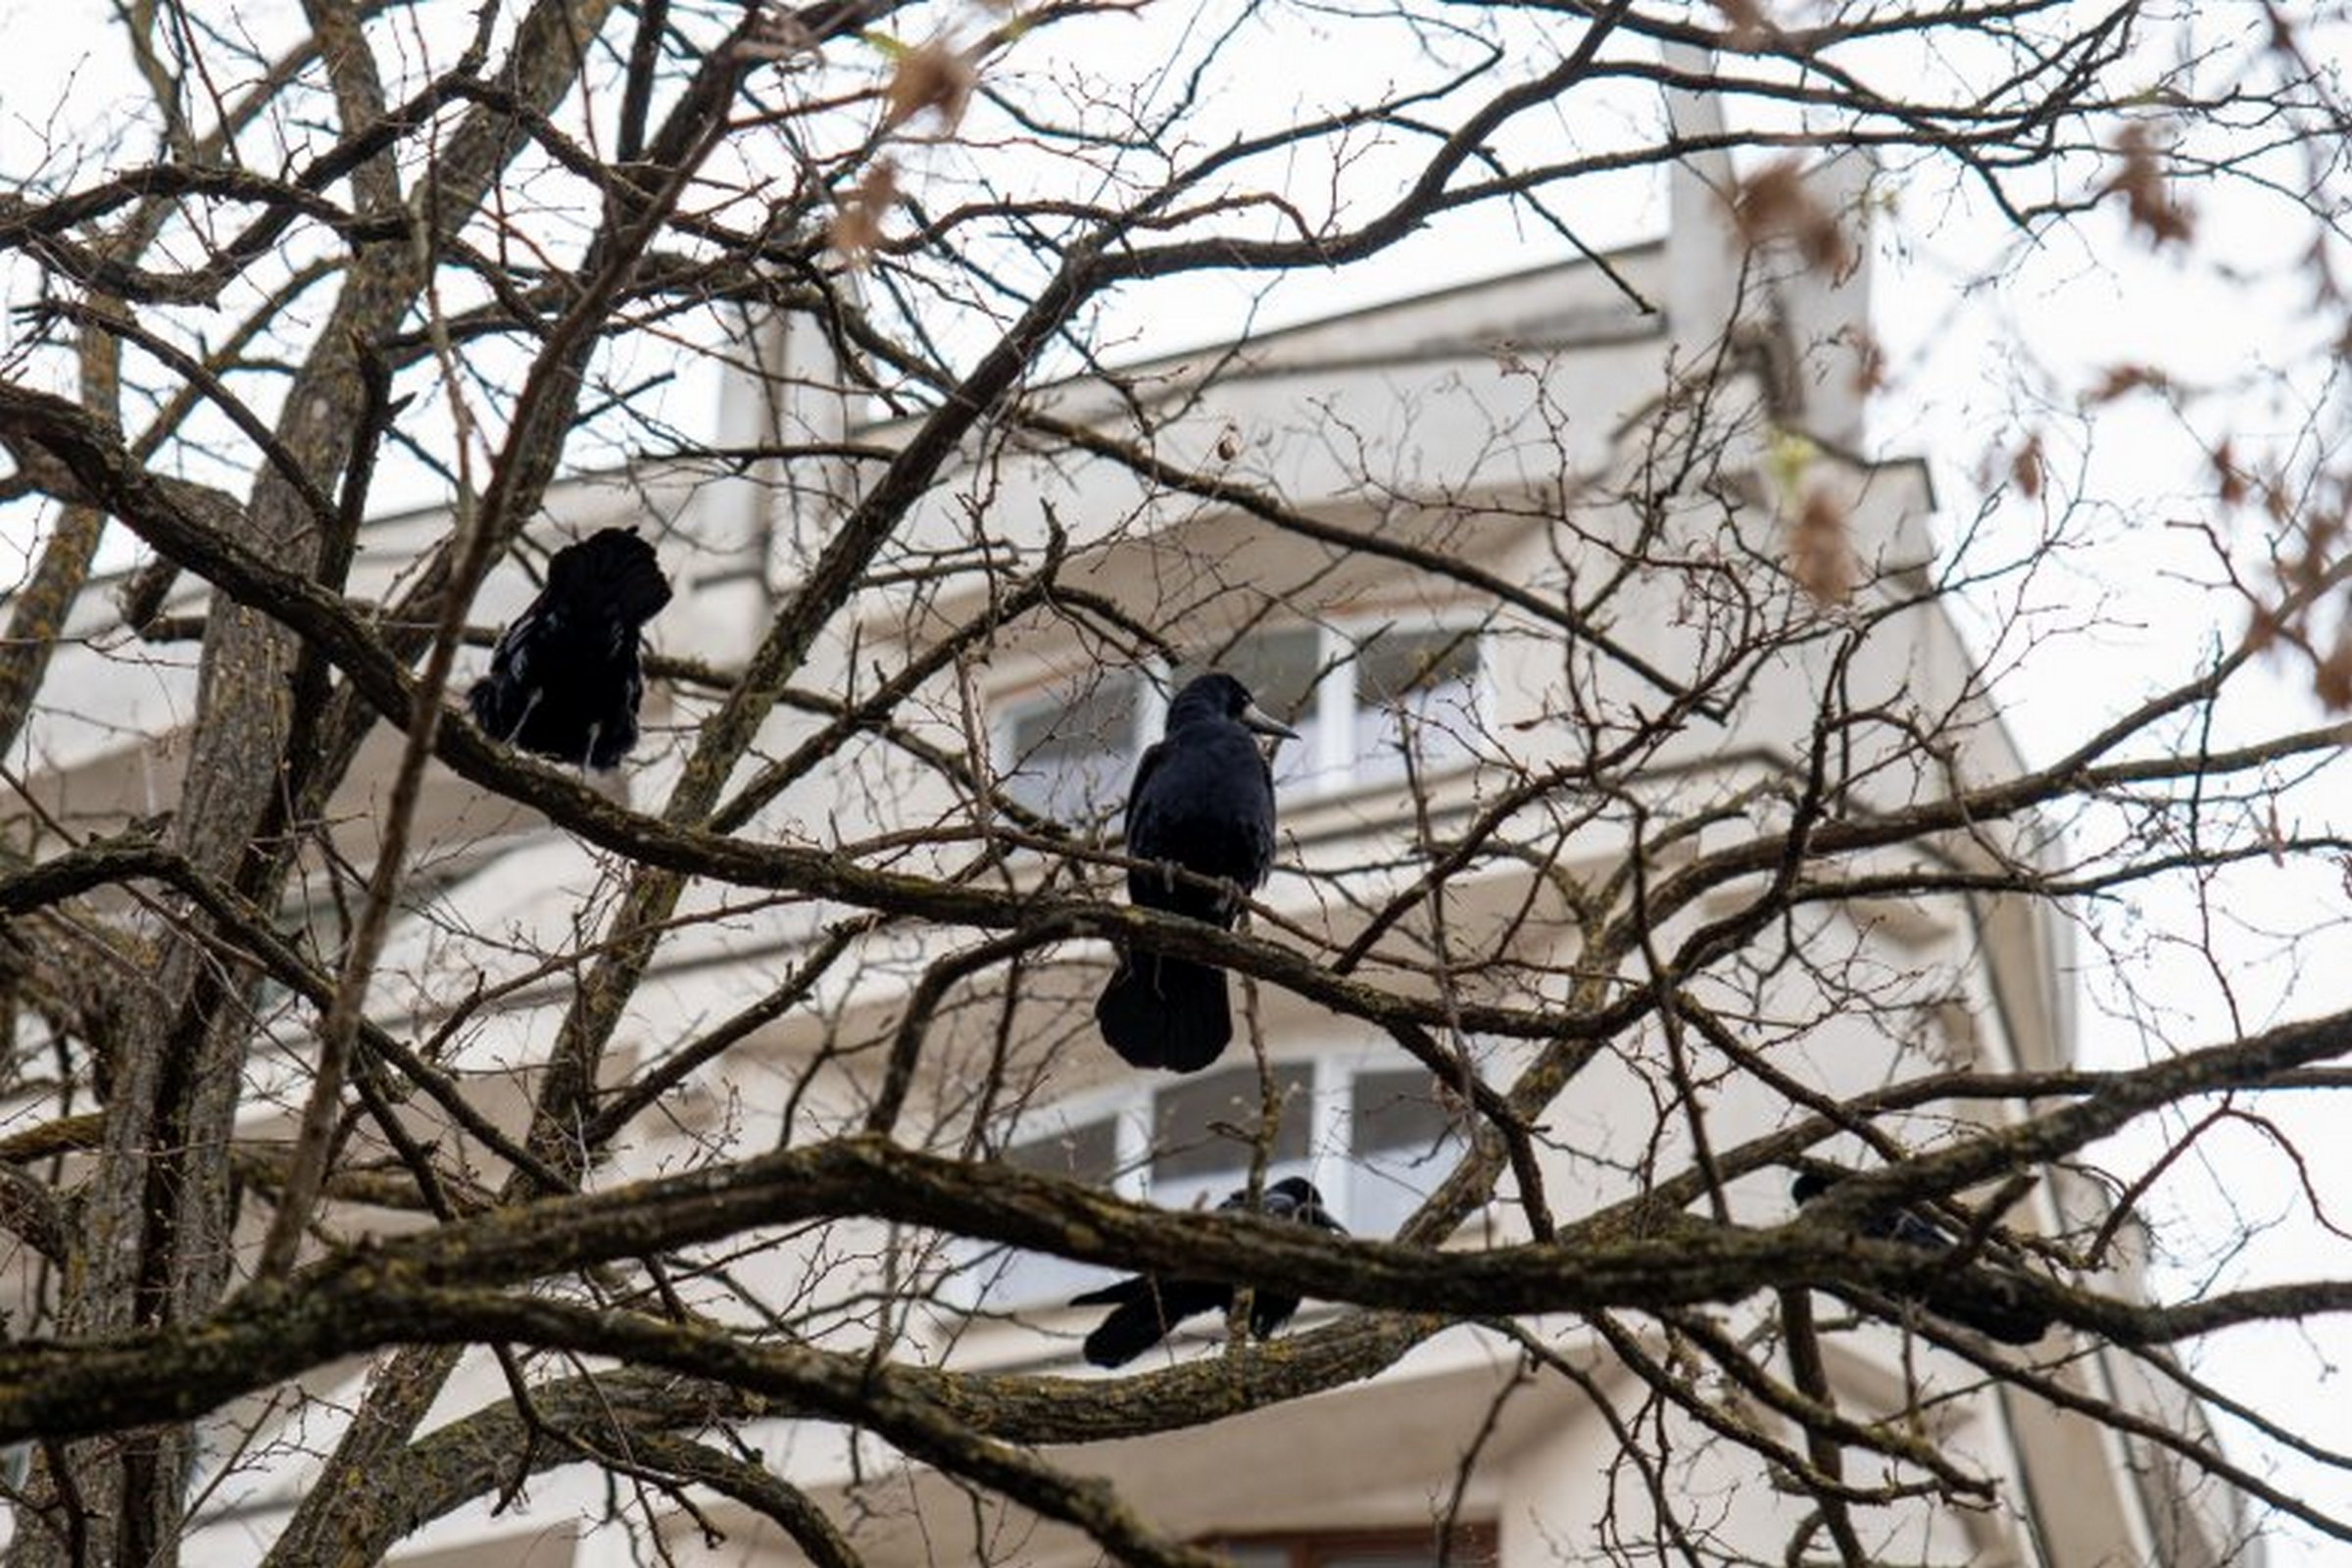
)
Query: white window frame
[
  {"x": 1336, "y": 708},
  {"x": 1333, "y": 771},
  {"x": 1129, "y": 1106},
  {"x": 1052, "y": 694}
]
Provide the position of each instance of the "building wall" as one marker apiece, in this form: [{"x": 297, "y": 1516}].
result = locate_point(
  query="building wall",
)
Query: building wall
[{"x": 1504, "y": 421}]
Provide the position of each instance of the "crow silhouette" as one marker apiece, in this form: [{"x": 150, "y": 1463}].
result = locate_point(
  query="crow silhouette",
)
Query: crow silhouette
[
  {"x": 1145, "y": 1307},
  {"x": 1978, "y": 1298},
  {"x": 1204, "y": 801},
  {"x": 565, "y": 680}
]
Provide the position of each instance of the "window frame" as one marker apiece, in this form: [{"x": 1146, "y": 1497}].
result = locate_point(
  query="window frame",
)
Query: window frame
[
  {"x": 1131, "y": 1106},
  {"x": 1335, "y": 771},
  {"x": 1008, "y": 709}
]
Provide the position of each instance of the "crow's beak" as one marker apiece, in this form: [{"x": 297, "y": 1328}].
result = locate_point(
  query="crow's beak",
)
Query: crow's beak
[{"x": 1258, "y": 718}]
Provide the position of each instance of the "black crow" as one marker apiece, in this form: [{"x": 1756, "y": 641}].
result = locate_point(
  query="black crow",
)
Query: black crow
[
  {"x": 1203, "y": 800},
  {"x": 565, "y": 680},
  {"x": 1144, "y": 1309},
  {"x": 1979, "y": 1298}
]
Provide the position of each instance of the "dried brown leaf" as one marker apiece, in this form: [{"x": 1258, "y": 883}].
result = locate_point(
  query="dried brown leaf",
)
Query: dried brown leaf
[
  {"x": 856, "y": 227},
  {"x": 1821, "y": 554},
  {"x": 1776, "y": 203},
  {"x": 2147, "y": 191},
  {"x": 2027, "y": 469},
  {"x": 2332, "y": 679},
  {"x": 2229, "y": 480},
  {"x": 931, "y": 77},
  {"x": 1870, "y": 363},
  {"x": 1747, "y": 29},
  {"x": 2118, "y": 379}
]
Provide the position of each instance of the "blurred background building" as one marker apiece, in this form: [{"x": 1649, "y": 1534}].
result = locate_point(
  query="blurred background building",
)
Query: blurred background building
[{"x": 1645, "y": 431}]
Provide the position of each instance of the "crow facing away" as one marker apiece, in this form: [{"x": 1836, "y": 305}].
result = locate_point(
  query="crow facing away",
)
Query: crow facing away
[
  {"x": 1203, "y": 800},
  {"x": 565, "y": 680},
  {"x": 1144, "y": 1309},
  {"x": 1979, "y": 1298}
]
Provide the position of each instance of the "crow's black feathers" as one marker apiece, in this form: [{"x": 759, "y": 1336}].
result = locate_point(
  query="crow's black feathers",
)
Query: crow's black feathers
[
  {"x": 1145, "y": 1307},
  {"x": 1203, "y": 800},
  {"x": 565, "y": 680},
  {"x": 1979, "y": 1297}
]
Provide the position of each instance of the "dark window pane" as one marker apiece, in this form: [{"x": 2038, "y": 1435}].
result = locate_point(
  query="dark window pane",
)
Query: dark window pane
[
  {"x": 1088, "y": 1152},
  {"x": 1416, "y": 689},
  {"x": 1392, "y": 665},
  {"x": 1401, "y": 1143},
  {"x": 1073, "y": 756},
  {"x": 1278, "y": 667},
  {"x": 1398, "y": 1112},
  {"x": 1001, "y": 1277},
  {"x": 1205, "y": 1125}
]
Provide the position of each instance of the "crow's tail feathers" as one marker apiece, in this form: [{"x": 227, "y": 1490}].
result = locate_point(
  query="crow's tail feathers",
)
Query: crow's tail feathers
[
  {"x": 611, "y": 571},
  {"x": 1159, "y": 1011},
  {"x": 498, "y": 705},
  {"x": 1142, "y": 1312},
  {"x": 1134, "y": 1326}
]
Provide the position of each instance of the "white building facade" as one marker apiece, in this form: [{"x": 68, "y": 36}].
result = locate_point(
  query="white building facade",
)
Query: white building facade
[{"x": 1634, "y": 441}]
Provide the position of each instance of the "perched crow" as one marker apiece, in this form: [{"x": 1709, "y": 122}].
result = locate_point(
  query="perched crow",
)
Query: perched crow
[
  {"x": 565, "y": 680},
  {"x": 1203, "y": 799},
  {"x": 1979, "y": 1298},
  {"x": 1144, "y": 1309}
]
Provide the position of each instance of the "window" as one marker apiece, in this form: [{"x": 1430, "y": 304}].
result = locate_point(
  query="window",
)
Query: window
[
  {"x": 1417, "y": 691},
  {"x": 1088, "y": 1152},
  {"x": 1081, "y": 1150},
  {"x": 1069, "y": 754},
  {"x": 1283, "y": 670},
  {"x": 1358, "y": 698},
  {"x": 1375, "y": 1139},
  {"x": 1402, "y": 1139},
  {"x": 1208, "y": 1126}
]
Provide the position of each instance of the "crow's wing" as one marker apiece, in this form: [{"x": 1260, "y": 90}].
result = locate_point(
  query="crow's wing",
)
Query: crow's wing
[
  {"x": 1117, "y": 1293},
  {"x": 1140, "y": 811}
]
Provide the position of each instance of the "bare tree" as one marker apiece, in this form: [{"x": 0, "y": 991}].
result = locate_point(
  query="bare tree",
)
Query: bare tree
[{"x": 397, "y": 1122}]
